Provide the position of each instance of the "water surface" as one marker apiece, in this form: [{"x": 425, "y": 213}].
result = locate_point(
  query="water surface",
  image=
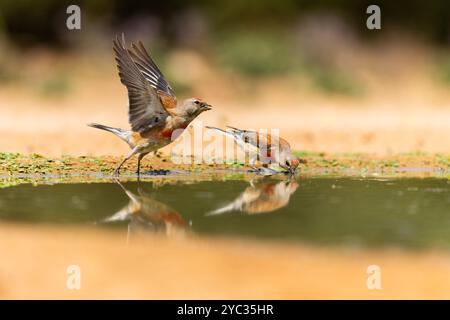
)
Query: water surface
[{"x": 412, "y": 213}]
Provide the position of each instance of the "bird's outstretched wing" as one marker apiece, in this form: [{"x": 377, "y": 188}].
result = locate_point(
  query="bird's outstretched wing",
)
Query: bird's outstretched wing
[
  {"x": 146, "y": 109},
  {"x": 153, "y": 75}
]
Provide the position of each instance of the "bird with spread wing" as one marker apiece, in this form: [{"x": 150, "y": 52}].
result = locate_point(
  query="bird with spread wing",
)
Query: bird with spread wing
[
  {"x": 155, "y": 115},
  {"x": 144, "y": 213}
]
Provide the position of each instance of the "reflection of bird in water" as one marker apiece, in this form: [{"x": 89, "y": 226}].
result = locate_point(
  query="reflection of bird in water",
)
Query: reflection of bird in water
[
  {"x": 147, "y": 214},
  {"x": 260, "y": 197}
]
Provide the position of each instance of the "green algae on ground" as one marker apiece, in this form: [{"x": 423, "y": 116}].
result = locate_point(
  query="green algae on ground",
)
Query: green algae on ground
[{"x": 16, "y": 168}]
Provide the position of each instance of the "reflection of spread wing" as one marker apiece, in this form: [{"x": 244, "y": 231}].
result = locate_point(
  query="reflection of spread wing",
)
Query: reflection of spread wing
[
  {"x": 143, "y": 212},
  {"x": 266, "y": 197},
  {"x": 145, "y": 104},
  {"x": 160, "y": 213}
]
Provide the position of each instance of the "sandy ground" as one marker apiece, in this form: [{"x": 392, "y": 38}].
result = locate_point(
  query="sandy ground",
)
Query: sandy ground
[
  {"x": 372, "y": 131},
  {"x": 52, "y": 131},
  {"x": 154, "y": 267}
]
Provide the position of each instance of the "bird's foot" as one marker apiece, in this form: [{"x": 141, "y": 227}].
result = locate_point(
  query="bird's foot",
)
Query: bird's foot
[
  {"x": 289, "y": 173},
  {"x": 115, "y": 174}
]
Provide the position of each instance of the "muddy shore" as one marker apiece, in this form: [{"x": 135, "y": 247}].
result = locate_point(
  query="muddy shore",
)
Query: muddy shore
[{"x": 18, "y": 168}]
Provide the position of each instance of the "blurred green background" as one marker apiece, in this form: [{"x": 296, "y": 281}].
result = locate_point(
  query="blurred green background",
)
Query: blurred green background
[
  {"x": 30, "y": 22},
  {"x": 255, "y": 38}
]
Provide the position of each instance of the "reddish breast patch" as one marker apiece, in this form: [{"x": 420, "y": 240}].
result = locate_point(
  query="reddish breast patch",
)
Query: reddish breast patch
[{"x": 167, "y": 133}]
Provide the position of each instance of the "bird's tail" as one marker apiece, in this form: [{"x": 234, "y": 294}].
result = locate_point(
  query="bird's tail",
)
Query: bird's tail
[
  {"x": 215, "y": 128},
  {"x": 235, "y": 130},
  {"x": 231, "y": 133},
  {"x": 122, "y": 134},
  {"x": 239, "y": 134}
]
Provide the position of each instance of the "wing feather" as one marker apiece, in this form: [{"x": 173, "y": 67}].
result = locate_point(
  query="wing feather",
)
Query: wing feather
[
  {"x": 145, "y": 108},
  {"x": 152, "y": 74}
]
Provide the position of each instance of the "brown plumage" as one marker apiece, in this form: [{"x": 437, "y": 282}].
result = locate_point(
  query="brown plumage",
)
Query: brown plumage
[
  {"x": 264, "y": 147},
  {"x": 154, "y": 112}
]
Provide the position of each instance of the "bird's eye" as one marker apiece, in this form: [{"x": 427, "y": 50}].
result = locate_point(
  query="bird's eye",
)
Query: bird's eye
[{"x": 196, "y": 102}]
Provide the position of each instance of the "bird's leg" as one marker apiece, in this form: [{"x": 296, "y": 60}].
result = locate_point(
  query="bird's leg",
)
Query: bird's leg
[
  {"x": 141, "y": 155},
  {"x": 116, "y": 171}
]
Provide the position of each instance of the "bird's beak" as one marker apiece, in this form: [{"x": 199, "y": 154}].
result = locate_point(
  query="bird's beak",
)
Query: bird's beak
[{"x": 206, "y": 107}]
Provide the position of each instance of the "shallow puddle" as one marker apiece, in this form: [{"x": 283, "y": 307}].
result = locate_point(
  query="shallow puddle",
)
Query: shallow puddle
[{"x": 412, "y": 213}]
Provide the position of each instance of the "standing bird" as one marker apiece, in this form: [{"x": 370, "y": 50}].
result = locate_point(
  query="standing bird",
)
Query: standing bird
[
  {"x": 264, "y": 147},
  {"x": 154, "y": 114}
]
